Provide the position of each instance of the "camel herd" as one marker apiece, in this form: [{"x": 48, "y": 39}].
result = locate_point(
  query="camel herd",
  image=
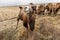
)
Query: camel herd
[
  {"x": 28, "y": 13},
  {"x": 50, "y": 8}
]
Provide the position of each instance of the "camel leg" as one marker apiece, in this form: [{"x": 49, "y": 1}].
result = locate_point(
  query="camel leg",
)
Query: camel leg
[
  {"x": 52, "y": 12},
  {"x": 17, "y": 22},
  {"x": 25, "y": 24},
  {"x": 56, "y": 11},
  {"x": 32, "y": 24}
]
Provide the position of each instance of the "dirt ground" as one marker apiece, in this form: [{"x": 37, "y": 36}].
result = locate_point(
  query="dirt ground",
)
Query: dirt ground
[{"x": 46, "y": 27}]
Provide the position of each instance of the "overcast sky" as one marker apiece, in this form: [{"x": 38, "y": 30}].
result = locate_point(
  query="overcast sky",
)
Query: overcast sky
[{"x": 24, "y": 2}]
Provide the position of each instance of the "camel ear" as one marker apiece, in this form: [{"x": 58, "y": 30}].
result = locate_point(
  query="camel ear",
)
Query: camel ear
[
  {"x": 31, "y": 3},
  {"x": 34, "y": 7},
  {"x": 20, "y": 7}
]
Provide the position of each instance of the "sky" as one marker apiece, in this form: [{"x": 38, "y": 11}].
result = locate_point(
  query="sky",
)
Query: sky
[{"x": 24, "y": 2}]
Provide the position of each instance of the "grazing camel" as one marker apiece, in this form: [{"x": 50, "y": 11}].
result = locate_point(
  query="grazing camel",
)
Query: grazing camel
[
  {"x": 27, "y": 18},
  {"x": 40, "y": 9},
  {"x": 52, "y": 8}
]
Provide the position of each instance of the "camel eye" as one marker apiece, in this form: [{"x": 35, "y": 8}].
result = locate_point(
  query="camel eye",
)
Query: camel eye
[
  {"x": 20, "y": 7},
  {"x": 32, "y": 7}
]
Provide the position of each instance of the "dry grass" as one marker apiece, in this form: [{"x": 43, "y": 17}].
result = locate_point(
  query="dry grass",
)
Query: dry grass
[{"x": 46, "y": 28}]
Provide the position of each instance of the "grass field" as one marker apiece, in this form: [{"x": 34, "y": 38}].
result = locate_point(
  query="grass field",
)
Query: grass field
[{"x": 46, "y": 27}]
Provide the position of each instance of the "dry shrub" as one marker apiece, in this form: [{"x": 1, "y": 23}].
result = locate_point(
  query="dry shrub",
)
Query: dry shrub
[{"x": 47, "y": 30}]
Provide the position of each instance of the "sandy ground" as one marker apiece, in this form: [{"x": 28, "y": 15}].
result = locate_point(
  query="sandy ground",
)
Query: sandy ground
[{"x": 46, "y": 27}]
